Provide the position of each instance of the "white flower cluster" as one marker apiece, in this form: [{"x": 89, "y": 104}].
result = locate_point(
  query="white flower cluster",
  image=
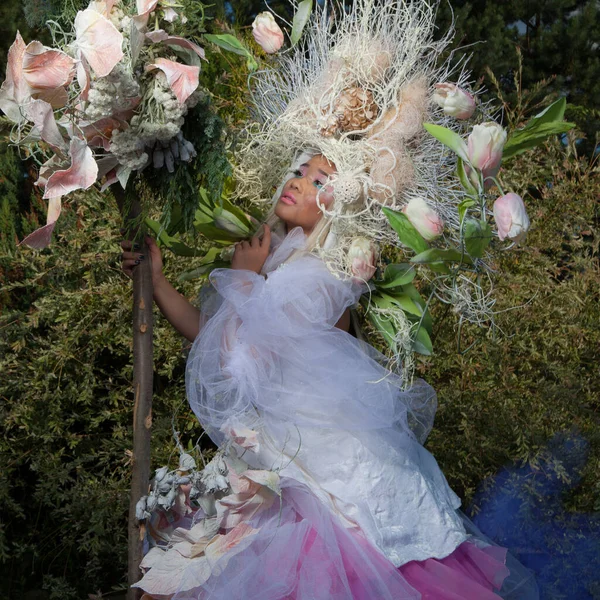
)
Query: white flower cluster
[
  {"x": 128, "y": 149},
  {"x": 111, "y": 94}
]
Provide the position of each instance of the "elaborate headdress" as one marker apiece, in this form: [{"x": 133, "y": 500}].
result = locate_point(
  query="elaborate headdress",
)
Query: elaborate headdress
[{"x": 357, "y": 90}]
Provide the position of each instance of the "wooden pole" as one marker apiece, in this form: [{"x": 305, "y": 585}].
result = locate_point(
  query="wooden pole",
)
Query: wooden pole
[{"x": 143, "y": 369}]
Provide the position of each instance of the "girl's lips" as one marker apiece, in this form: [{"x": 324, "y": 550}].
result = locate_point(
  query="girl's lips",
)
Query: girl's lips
[{"x": 287, "y": 199}]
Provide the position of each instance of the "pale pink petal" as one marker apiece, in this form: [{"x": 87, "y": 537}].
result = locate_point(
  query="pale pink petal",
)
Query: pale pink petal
[
  {"x": 15, "y": 90},
  {"x": 104, "y": 7},
  {"x": 166, "y": 576},
  {"x": 99, "y": 133},
  {"x": 224, "y": 544},
  {"x": 45, "y": 69},
  {"x": 82, "y": 173},
  {"x": 269, "y": 479},
  {"x": 152, "y": 557},
  {"x": 42, "y": 115},
  {"x": 174, "y": 40},
  {"x": 99, "y": 41},
  {"x": 158, "y": 35},
  {"x": 57, "y": 98},
  {"x": 40, "y": 238},
  {"x": 243, "y": 437},
  {"x": 205, "y": 529},
  {"x": 170, "y": 15},
  {"x": 47, "y": 169},
  {"x": 83, "y": 77},
  {"x": 183, "y": 79},
  {"x": 106, "y": 165},
  {"x": 240, "y": 484},
  {"x": 144, "y": 8},
  {"x": 111, "y": 177}
]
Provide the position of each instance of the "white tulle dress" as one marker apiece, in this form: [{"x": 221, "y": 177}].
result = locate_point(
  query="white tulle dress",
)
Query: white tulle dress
[{"x": 363, "y": 510}]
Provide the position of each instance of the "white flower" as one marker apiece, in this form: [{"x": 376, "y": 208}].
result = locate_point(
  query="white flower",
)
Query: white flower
[
  {"x": 361, "y": 258},
  {"x": 511, "y": 217},
  {"x": 267, "y": 33},
  {"x": 424, "y": 219},
  {"x": 455, "y": 101}
]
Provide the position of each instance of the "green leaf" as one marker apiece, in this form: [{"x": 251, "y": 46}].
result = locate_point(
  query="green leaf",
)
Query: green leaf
[
  {"x": 397, "y": 275},
  {"x": 464, "y": 178},
  {"x": 422, "y": 342},
  {"x": 477, "y": 235},
  {"x": 525, "y": 139},
  {"x": 554, "y": 112},
  {"x": 232, "y": 44},
  {"x": 539, "y": 128},
  {"x": 300, "y": 20},
  {"x": 215, "y": 234},
  {"x": 173, "y": 243},
  {"x": 401, "y": 299},
  {"x": 436, "y": 255},
  {"x": 238, "y": 212},
  {"x": 406, "y": 231},
  {"x": 209, "y": 262},
  {"x": 464, "y": 206},
  {"x": 448, "y": 138},
  {"x": 426, "y": 320},
  {"x": 385, "y": 327},
  {"x": 227, "y": 42}
]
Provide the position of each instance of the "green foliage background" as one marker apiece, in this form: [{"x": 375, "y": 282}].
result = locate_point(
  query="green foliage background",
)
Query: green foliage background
[{"x": 65, "y": 348}]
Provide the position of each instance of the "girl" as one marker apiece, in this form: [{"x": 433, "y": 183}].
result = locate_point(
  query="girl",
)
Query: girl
[{"x": 358, "y": 508}]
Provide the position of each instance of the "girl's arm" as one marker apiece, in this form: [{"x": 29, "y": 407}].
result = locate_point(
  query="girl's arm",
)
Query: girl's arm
[{"x": 176, "y": 308}]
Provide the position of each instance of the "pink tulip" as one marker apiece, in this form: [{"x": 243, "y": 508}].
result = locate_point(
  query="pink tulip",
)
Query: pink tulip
[
  {"x": 267, "y": 33},
  {"x": 454, "y": 101},
  {"x": 485, "y": 145},
  {"x": 511, "y": 217},
  {"x": 362, "y": 257},
  {"x": 423, "y": 218}
]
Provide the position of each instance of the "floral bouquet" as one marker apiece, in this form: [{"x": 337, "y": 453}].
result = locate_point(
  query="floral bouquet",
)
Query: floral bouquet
[
  {"x": 450, "y": 244},
  {"x": 107, "y": 101}
]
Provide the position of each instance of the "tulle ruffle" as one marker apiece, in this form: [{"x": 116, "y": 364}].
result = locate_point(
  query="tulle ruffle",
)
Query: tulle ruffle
[{"x": 296, "y": 549}]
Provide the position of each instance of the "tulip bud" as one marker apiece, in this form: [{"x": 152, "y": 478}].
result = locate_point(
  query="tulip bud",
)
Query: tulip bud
[
  {"x": 361, "y": 258},
  {"x": 485, "y": 146},
  {"x": 267, "y": 33},
  {"x": 424, "y": 219},
  {"x": 511, "y": 217},
  {"x": 454, "y": 101}
]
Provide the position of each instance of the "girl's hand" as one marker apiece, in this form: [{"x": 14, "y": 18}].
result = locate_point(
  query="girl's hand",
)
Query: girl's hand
[
  {"x": 131, "y": 258},
  {"x": 253, "y": 254}
]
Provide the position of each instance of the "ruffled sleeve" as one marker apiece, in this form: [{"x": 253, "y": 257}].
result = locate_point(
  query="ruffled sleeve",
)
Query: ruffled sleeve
[
  {"x": 296, "y": 299},
  {"x": 238, "y": 360}
]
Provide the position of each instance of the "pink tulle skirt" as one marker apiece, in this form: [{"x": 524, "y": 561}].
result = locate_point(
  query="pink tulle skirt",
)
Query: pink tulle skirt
[{"x": 297, "y": 549}]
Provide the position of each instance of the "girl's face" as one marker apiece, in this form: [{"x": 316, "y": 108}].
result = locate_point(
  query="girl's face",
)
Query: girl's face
[{"x": 297, "y": 205}]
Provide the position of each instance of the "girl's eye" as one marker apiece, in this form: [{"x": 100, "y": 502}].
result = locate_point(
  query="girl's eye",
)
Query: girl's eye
[
  {"x": 298, "y": 173},
  {"x": 318, "y": 183}
]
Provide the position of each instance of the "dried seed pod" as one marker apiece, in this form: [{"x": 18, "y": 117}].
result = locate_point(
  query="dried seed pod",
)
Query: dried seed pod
[{"x": 158, "y": 159}]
